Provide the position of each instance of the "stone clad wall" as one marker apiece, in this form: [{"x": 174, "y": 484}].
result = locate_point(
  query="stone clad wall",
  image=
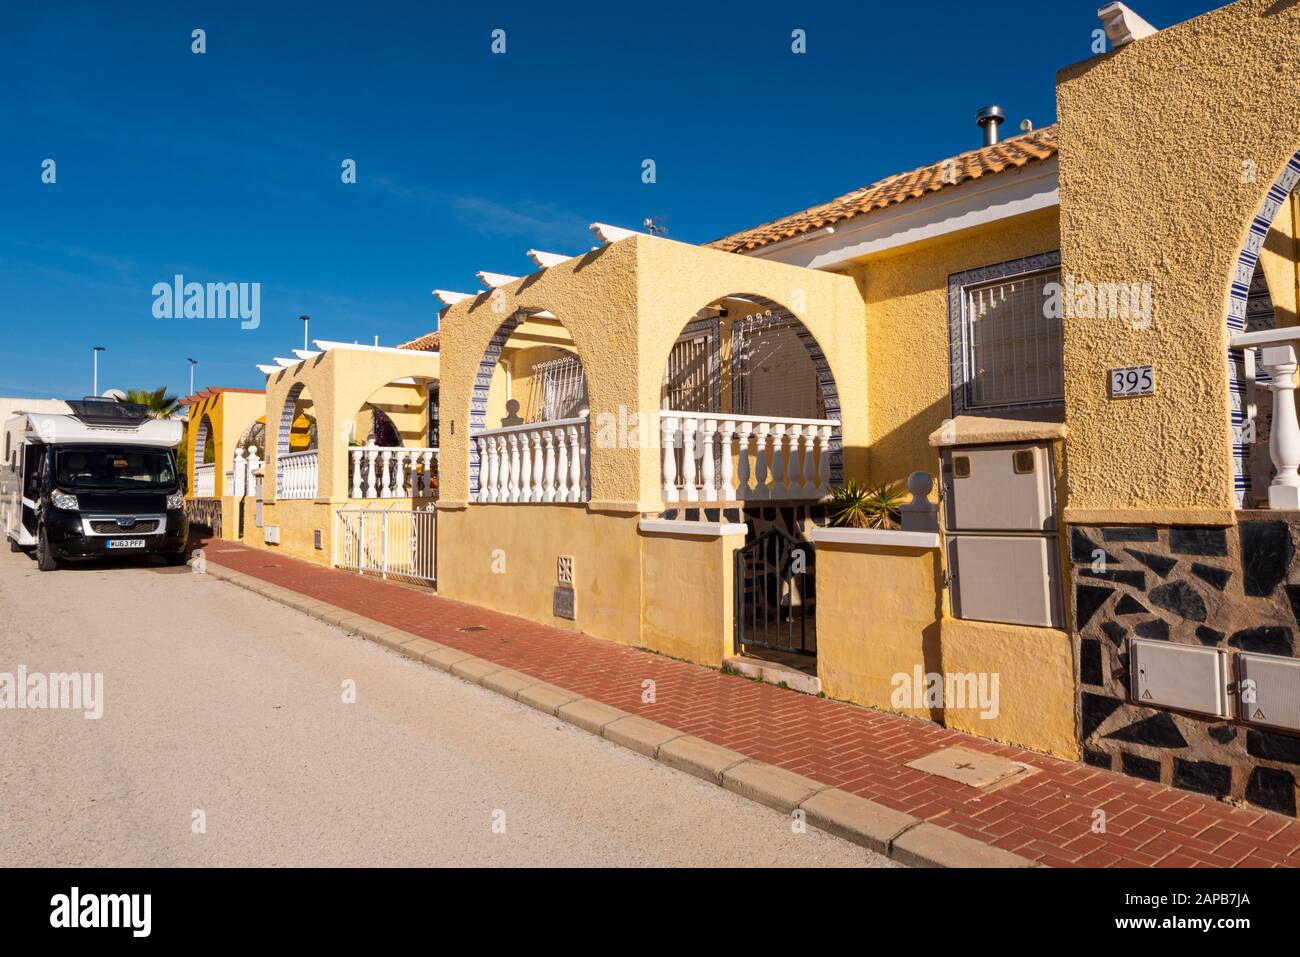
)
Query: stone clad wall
[{"x": 1235, "y": 588}]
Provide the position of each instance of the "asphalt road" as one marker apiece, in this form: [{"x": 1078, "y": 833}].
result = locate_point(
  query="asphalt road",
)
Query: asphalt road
[{"x": 225, "y": 739}]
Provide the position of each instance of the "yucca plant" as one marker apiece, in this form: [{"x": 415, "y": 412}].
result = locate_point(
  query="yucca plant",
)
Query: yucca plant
[{"x": 855, "y": 505}]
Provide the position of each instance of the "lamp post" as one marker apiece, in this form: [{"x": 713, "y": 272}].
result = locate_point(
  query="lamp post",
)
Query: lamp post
[
  {"x": 94, "y": 387},
  {"x": 193, "y": 363},
  {"x": 306, "y": 320}
]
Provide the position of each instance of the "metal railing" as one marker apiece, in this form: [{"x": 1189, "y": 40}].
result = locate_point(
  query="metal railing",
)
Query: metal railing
[{"x": 391, "y": 543}]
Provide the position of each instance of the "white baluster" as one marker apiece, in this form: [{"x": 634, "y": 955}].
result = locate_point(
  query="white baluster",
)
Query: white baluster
[
  {"x": 238, "y": 474},
  {"x": 372, "y": 484},
  {"x": 562, "y": 467},
  {"x": 728, "y": 431},
  {"x": 489, "y": 470},
  {"x": 708, "y": 435},
  {"x": 668, "y": 429},
  {"x": 399, "y": 477},
  {"x": 575, "y": 465},
  {"x": 548, "y": 481},
  {"x": 512, "y": 489},
  {"x": 760, "y": 460},
  {"x": 384, "y": 490},
  {"x": 808, "y": 487},
  {"x": 742, "y": 459},
  {"x": 823, "y": 460},
  {"x": 689, "y": 490},
  {"x": 503, "y": 469},
  {"x": 1284, "y": 439},
  {"x": 778, "y": 461},
  {"x": 538, "y": 492},
  {"x": 481, "y": 494},
  {"x": 427, "y": 484}
]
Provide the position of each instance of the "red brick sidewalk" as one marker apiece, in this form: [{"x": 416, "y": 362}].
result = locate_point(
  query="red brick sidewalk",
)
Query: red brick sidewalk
[{"x": 1046, "y": 817}]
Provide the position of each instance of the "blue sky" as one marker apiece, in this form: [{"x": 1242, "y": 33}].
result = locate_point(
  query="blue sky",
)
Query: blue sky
[{"x": 225, "y": 166}]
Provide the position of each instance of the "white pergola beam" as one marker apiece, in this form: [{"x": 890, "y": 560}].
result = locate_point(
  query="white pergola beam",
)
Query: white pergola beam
[
  {"x": 305, "y": 353},
  {"x": 268, "y": 370},
  {"x": 611, "y": 234},
  {"x": 495, "y": 280},
  {"x": 1122, "y": 25},
  {"x": 546, "y": 260},
  {"x": 286, "y": 363},
  {"x": 451, "y": 298}
]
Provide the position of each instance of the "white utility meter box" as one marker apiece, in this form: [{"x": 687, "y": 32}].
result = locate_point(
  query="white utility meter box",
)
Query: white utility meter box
[
  {"x": 1000, "y": 488},
  {"x": 1184, "y": 677},
  {"x": 1003, "y": 552},
  {"x": 1269, "y": 687}
]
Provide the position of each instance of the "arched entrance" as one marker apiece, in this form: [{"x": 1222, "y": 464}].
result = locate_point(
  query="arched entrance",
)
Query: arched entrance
[
  {"x": 1257, "y": 441},
  {"x": 749, "y": 408},
  {"x": 529, "y": 415},
  {"x": 296, "y": 455}
]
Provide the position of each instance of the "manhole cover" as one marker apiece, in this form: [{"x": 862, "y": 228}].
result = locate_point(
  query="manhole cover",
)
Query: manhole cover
[
  {"x": 473, "y": 628},
  {"x": 969, "y": 767}
]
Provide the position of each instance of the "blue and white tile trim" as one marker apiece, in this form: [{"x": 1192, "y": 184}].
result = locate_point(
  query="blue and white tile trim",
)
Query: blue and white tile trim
[{"x": 1240, "y": 317}]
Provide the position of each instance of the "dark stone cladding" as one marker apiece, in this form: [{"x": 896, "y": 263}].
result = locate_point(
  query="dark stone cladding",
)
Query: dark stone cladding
[{"x": 1234, "y": 588}]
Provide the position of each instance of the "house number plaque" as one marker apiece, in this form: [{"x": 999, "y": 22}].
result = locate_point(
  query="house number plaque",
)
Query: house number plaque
[{"x": 1132, "y": 381}]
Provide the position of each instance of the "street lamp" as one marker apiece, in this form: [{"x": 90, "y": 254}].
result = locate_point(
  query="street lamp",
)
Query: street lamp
[
  {"x": 94, "y": 388},
  {"x": 306, "y": 320},
  {"x": 193, "y": 363}
]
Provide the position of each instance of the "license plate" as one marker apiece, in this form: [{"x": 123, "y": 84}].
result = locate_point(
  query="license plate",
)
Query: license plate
[{"x": 126, "y": 543}]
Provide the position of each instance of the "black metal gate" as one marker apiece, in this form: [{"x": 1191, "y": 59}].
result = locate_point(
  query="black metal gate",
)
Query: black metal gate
[{"x": 775, "y": 585}]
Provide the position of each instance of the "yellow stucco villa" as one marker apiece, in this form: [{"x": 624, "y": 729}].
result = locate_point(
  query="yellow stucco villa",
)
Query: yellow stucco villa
[{"x": 1075, "y": 348}]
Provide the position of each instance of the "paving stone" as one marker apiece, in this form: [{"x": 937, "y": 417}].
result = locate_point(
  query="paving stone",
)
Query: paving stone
[
  {"x": 1128, "y": 605},
  {"x": 508, "y": 682},
  {"x": 1216, "y": 578},
  {"x": 1130, "y": 534},
  {"x": 1190, "y": 540},
  {"x": 1180, "y": 598},
  {"x": 589, "y": 715},
  {"x": 474, "y": 669},
  {"x": 1162, "y": 565},
  {"x": 1268, "y": 640},
  {"x": 444, "y": 657},
  {"x": 697, "y": 756},
  {"x": 770, "y": 785},
  {"x": 640, "y": 734},
  {"x": 1087, "y": 599},
  {"x": 856, "y": 819},
  {"x": 928, "y": 845},
  {"x": 546, "y": 697}
]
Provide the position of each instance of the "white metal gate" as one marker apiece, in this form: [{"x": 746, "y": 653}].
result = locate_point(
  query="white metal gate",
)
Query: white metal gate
[{"x": 394, "y": 543}]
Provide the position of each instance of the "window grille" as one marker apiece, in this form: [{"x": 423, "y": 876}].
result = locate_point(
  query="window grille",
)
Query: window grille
[
  {"x": 1013, "y": 345},
  {"x": 772, "y": 373},
  {"x": 559, "y": 390}
]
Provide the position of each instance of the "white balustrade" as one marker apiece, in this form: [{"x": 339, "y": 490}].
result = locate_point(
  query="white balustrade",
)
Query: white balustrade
[
  {"x": 205, "y": 480},
  {"x": 392, "y": 473},
  {"x": 718, "y": 457},
  {"x": 541, "y": 462},
  {"x": 1277, "y": 356},
  {"x": 296, "y": 474},
  {"x": 253, "y": 465}
]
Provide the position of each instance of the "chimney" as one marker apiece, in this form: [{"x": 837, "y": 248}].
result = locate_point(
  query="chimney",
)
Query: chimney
[{"x": 988, "y": 119}]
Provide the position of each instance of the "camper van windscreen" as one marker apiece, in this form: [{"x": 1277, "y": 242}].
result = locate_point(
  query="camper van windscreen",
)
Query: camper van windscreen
[{"x": 108, "y": 412}]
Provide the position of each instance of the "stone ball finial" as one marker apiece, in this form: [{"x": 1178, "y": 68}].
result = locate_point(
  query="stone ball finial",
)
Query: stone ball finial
[{"x": 920, "y": 484}]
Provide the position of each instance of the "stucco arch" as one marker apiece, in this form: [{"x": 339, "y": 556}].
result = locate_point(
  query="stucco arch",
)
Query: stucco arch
[
  {"x": 201, "y": 437},
  {"x": 487, "y": 368},
  {"x": 1243, "y": 273},
  {"x": 824, "y": 376}
]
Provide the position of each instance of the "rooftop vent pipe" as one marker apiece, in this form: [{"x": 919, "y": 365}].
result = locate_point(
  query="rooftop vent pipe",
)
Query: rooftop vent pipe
[{"x": 988, "y": 118}]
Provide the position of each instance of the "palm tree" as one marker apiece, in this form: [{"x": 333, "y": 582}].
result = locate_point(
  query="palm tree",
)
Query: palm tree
[{"x": 158, "y": 402}]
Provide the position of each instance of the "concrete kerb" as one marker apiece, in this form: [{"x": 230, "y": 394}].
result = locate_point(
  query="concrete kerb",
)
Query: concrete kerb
[{"x": 901, "y": 837}]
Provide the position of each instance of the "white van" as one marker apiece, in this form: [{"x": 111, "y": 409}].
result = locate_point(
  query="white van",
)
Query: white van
[{"x": 101, "y": 480}]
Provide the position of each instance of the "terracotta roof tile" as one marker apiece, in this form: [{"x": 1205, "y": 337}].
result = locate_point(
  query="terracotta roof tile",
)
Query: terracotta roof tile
[
  {"x": 1013, "y": 153},
  {"x": 426, "y": 343}
]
